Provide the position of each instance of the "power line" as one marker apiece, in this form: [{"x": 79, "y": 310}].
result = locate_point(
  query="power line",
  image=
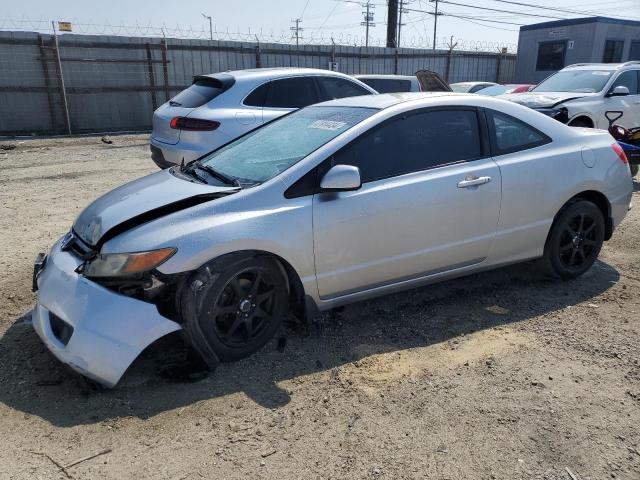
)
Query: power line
[
  {"x": 305, "y": 8},
  {"x": 501, "y": 11},
  {"x": 555, "y": 9},
  {"x": 463, "y": 16}
]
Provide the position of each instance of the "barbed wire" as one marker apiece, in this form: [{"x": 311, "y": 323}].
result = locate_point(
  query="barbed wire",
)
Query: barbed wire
[{"x": 415, "y": 41}]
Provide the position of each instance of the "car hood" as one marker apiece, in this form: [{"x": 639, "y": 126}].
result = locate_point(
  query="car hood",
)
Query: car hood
[
  {"x": 141, "y": 201},
  {"x": 542, "y": 99},
  {"x": 432, "y": 82}
]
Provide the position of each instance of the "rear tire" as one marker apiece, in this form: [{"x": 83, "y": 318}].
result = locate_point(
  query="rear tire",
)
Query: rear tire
[
  {"x": 233, "y": 307},
  {"x": 634, "y": 169},
  {"x": 575, "y": 240}
]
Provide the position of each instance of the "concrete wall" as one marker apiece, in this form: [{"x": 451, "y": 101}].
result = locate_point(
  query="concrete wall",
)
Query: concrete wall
[
  {"x": 114, "y": 83},
  {"x": 588, "y": 43}
]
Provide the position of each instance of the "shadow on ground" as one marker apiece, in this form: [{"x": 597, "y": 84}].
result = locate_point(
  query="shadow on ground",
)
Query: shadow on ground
[{"x": 34, "y": 382}]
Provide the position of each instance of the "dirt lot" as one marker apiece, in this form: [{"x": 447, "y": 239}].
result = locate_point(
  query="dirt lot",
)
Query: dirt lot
[{"x": 501, "y": 375}]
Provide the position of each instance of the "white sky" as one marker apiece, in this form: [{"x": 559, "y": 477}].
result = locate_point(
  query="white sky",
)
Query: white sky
[{"x": 319, "y": 17}]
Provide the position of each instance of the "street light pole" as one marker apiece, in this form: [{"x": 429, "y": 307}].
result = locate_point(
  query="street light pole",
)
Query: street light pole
[{"x": 210, "y": 26}]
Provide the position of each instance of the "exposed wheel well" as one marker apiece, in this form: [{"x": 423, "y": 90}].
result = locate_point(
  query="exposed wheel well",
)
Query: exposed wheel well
[
  {"x": 581, "y": 120},
  {"x": 603, "y": 204}
]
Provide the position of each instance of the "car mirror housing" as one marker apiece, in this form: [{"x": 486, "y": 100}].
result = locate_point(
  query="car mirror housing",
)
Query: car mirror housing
[
  {"x": 619, "y": 91},
  {"x": 341, "y": 178}
]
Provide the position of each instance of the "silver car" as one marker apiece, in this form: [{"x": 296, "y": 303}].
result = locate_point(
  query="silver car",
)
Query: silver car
[
  {"x": 220, "y": 107},
  {"x": 331, "y": 204}
]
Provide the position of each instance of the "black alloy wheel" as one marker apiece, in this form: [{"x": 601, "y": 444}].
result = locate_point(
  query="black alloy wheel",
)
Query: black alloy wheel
[
  {"x": 231, "y": 307},
  {"x": 575, "y": 240},
  {"x": 244, "y": 308}
]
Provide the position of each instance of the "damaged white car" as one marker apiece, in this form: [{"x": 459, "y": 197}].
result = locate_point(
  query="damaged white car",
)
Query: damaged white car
[{"x": 331, "y": 204}]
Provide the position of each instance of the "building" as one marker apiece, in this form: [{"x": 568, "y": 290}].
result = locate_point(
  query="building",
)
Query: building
[{"x": 544, "y": 48}]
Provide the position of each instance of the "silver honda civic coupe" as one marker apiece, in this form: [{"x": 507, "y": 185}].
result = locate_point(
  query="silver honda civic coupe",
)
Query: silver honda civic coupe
[{"x": 331, "y": 204}]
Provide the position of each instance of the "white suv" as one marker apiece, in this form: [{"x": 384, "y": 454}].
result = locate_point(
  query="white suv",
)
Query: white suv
[
  {"x": 220, "y": 107},
  {"x": 580, "y": 94}
]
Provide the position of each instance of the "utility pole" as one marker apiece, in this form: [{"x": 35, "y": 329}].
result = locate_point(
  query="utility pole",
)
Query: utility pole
[
  {"x": 400, "y": 24},
  {"x": 435, "y": 24},
  {"x": 64, "y": 90},
  {"x": 210, "y": 26},
  {"x": 392, "y": 23},
  {"x": 297, "y": 29},
  {"x": 368, "y": 20}
]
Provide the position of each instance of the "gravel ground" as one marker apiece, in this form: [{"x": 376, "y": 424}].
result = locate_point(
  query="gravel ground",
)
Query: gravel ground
[{"x": 501, "y": 375}]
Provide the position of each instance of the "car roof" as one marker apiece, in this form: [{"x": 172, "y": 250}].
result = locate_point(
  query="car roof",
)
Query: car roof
[
  {"x": 267, "y": 73},
  {"x": 384, "y": 77},
  {"x": 386, "y": 100}
]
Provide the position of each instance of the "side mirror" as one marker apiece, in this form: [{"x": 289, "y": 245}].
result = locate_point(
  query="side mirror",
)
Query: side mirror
[
  {"x": 619, "y": 91},
  {"x": 341, "y": 178}
]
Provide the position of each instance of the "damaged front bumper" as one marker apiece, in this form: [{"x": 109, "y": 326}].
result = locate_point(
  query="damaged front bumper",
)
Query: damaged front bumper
[{"x": 95, "y": 331}]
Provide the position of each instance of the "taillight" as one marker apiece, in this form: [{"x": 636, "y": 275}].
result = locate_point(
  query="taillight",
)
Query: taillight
[
  {"x": 623, "y": 156},
  {"x": 186, "y": 123}
]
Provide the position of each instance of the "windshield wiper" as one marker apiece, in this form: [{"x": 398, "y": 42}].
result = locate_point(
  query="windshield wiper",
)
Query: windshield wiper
[
  {"x": 174, "y": 103},
  {"x": 219, "y": 175}
]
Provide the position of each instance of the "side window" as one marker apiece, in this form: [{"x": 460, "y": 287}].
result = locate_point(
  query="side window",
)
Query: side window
[
  {"x": 511, "y": 135},
  {"x": 551, "y": 56},
  {"x": 628, "y": 79},
  {"x": 612, "y": 51},
  {"x": 335, "y": 87},
  {"x": 258, "y": 96},
  {"x": 413, "y": 143},
  {"x": 296, "y": 92}
]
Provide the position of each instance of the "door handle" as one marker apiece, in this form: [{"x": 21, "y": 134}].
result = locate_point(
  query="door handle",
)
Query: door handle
[{"x": 473, "y": 181}]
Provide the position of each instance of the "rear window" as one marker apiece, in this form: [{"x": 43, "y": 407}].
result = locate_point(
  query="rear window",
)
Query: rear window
[
  {"x": 201, "y": 92},
  {"x": 387, "y": 85}
]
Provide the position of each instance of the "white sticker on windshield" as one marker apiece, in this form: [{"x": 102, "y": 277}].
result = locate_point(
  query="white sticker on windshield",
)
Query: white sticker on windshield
[
  {"x": 327, "y": 125},
  {"x": 600, "y": 72}
]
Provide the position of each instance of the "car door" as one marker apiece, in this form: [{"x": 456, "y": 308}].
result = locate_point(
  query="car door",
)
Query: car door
[
  {"x": 287, "y": 94},
  {"x": 629, "y": 104},
  {"x": 429, "y": 202}
]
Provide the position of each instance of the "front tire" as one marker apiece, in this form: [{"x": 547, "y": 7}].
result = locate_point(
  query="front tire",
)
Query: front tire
[
  {"x": 575, "y": 240},
  {"x": 580, "y": 123},
  {"x": 233, "y": 307}
]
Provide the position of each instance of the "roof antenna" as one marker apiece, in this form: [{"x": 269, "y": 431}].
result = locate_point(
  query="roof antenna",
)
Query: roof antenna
[{"x": 182, "y": 165}]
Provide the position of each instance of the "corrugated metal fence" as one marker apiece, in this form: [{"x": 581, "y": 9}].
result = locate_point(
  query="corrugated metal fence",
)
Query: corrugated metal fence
[{"x": 114, "y": 83}]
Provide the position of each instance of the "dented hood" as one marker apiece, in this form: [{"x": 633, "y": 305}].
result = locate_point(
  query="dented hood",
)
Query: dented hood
[
  {"x": 542, "y": 99},
  {"x": 140, "y": 201}
]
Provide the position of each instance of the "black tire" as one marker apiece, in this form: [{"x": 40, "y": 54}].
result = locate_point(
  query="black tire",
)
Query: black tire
[
  {"x": 232, "y": 307},
  {"x": 575, "y": 240},
  {"x": 580, "y": 123},
  {"x": 634, "y": 169}
]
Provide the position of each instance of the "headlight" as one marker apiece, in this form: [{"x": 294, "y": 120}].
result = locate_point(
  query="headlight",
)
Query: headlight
[
  {"x": 124, "y": 264},
  {"x": 561, "y": 114}
]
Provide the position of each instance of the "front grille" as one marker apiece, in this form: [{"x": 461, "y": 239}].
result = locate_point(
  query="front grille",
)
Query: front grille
[{"x": 60, "y": 329}]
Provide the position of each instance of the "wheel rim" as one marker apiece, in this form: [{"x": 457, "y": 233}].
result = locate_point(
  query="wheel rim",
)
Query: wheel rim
[
  {"x": 579, "y": 241},
  {"x": 245, "y": 307}
]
